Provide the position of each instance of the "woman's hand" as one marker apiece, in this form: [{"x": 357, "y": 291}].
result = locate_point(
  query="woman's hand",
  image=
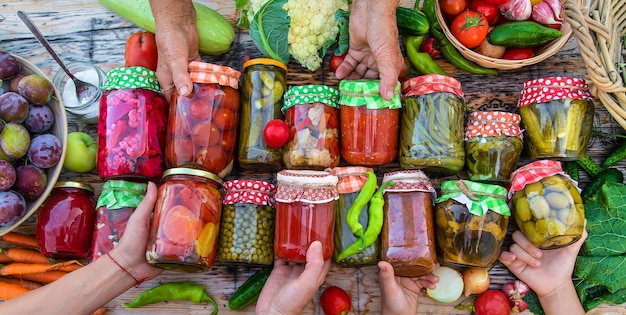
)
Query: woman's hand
[{"x": 400, "y": 295}]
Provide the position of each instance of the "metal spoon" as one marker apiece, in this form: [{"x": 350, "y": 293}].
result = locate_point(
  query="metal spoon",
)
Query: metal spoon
[{"x": 85, "y": 92}]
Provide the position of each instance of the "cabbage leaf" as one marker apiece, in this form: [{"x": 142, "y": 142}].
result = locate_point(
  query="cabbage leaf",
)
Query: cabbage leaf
[{"x": 269, "y": 30}]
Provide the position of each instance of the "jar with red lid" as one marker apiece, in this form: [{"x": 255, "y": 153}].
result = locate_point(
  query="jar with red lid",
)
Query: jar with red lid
[
  {"x": 65, "y": 222},
  {"x": 369, "y": 123},
  {"x": 184, "y": 230},
  {"x": 202, "y": 128},
  {"x": 131, "y": 126},
  {"x": 304, "y": 213}
]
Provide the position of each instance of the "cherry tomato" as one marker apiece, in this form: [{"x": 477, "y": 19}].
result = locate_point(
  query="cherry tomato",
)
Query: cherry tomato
[
  {"x": 336, "y": 60},
  {"x": 518, "y": 53},
  {"x": 229, "y": 140},
  {"x": 492, "y": 302},
  {"x": 470, "y": 28},
  {"x": 213, "y": 158},
  {"x": 276, "y": 133},
  {"x": 431, "y": 46},
  {"x": 453, "y": 7},
  {"x": 141, "y": 50},
  {"x": 223, "y": 118},
  {"x": 497, "y": 1},
  {"x": 200, "y": 109},
  {"x": 335, "y": 301},
  {"x": 488, "y": 9}
]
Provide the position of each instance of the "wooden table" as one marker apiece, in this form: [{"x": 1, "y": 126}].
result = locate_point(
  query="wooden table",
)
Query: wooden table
[{"x": 84, "y": 30}]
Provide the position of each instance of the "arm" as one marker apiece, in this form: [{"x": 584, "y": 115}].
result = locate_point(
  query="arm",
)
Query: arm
[{"x": 400, "y": 295}]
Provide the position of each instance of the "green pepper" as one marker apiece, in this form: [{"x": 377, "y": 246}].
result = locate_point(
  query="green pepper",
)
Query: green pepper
[
  {"x": 185, "y": 291},
  {"x": 421, "y": 61},
  {"x": 352, "y": 217}
]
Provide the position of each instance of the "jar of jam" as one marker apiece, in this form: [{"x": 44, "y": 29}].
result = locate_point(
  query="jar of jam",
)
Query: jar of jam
[
  {"x": 66, "y": 220},
  {"x": 131, "y": 126},
  {"x": 431, "y": 130},
  {"x": 202, "y": 128},
  {"x": 546, "y": 204},
  {"x": 493, "y": 144},
  {"x": 369, "y": 123},
  {"x": 471, "y": 222},
  {"x": 557, "y": 116},
  {"x": 118, "y": 200},
  {"x": 262, "y": 88},
  {"x": 312, "y": 113},
  {"x": 247, "y": 226},
  {"x": 185, "y": 226},
  {"x": 305, "y": 202}
]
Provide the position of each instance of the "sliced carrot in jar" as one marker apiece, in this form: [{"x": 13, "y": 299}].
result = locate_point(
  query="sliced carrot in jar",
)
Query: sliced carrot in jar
[
  {"x": 205, "y": 244},
  {"x": 211, "y": 205},
  {"x": 181, "y": 226}
]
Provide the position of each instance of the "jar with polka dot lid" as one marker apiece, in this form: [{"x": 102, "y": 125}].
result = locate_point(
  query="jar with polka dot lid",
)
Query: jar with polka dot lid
[{"x": 557, "y": 117}]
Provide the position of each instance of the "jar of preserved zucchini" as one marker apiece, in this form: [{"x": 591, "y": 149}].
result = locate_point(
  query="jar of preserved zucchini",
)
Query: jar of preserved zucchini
[
  {"x": 493, "y": 144},
  {"x": 431, "y": 129},
  {"x": 472, "y": 219},
  {"x": 369, "y": 123},
  {"x": 262, "y": 88},
  {"x": 546, "y": 204},
  {"x": 557, "y": 116},
  {"x": 312, "y": 114},
  {"x": 247, "y": 226}
]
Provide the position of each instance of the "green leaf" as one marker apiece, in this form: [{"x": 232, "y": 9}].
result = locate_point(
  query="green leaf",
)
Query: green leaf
[
  {"x": 592, "y": 295},
  {"x": 269, "y": 30},
  {"x": 239, "y": 4},
  {"x": 343, "y": 40},
  {"x": 533, "y": 303},
  {"x": 606, "y": 222},
  {"x": 607, "y": 270}
]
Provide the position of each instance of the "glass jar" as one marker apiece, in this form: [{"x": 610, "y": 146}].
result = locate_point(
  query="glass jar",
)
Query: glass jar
[
  {"x": 118, "y": 200},
  {"x": 65, "y": 221},
  {"x": 131, "y": 126},
  {"x": 202, "y": 128},
  {"x": 247, "y": 226},
  {"x": 546, "y": 204},
  {"x": 557, "y": 116},
  {"x": 408, "y": 236},
  {"x": 262, "y": 88},
  {"x": 431, "y": 130},
  {"x": 493, "y": 144},
  {"x": 88, "y": 112},
  {"x": 369, "y": 123},
  {"x": 471, "y": 222},
  {"x": 312, "y": 114},
  {"x": 304, "y": 213},
  {"x": 185, "y": 226}
]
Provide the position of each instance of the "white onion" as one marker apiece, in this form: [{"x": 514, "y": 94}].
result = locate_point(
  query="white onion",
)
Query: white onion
[{"x": 450, "y": 285}]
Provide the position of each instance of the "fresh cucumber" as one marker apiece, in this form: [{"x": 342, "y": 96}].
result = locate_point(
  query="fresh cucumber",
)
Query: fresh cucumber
[
  {"x": 607, "y": 175},
  {"x": 250, "y": 290},
  {"x": 590, "y": 166},
  {"x": 411, "y": 22},
  {"x": 522, "y": 34},
  {"x": 618, "y": 154},
  {"x": 571, "y": 168}
]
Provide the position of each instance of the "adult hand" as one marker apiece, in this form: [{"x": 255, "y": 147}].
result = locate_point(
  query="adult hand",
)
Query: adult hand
[{"x": 399, "y": 294}]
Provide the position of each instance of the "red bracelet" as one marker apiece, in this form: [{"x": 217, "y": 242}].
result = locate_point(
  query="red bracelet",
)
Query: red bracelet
[{"x": 137, "y": 282}]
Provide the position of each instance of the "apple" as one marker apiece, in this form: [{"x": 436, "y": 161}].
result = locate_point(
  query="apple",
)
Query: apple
[{"x": 80, "y": 155}]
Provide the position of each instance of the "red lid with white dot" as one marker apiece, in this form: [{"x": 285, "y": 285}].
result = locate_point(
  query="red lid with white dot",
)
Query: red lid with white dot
[
  {"x": 553, "y": 88},
  {"x": 431, "y": 83},
  {"x": 492, "y": 124},
  {"x": 249, "y": 191}
]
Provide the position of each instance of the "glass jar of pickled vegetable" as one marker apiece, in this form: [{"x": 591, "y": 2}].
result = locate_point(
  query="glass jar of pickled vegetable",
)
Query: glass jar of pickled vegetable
[
  {"x": 131, "y": 126},
  {"x": 471, "y": 222},
  {"x": 304, "y": 213},
  {"x": 493, "y": 144},
  {"x": 262, "y": 88},
  {"x": 247, "y": 226},
  {"x": 312, "y": 114},
  {"x": 184, "y": 230},
  {"x": 546, "y": 204},
  {"x": 369, "y": 123},
  {"x": 557, "y": 116},
  {"x": 202, "y": 128},
  {"x": 431, "y": 130}
]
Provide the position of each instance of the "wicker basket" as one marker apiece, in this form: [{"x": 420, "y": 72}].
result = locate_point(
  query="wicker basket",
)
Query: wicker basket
[{"x": 598, "y": 27}]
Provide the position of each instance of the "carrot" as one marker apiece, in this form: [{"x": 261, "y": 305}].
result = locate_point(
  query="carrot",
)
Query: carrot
[
  {"x": 20, "y": 239},
  {"x": 24, "y": 283},
  {"x": 4, "y": 258},
  {"x": 11, "y": 290},
  {"x": 44, "y": 277},
  {"x": 25, "y": 255},
  {"x": 100, "y": 311},
  {"x": 26, "y": 268}
]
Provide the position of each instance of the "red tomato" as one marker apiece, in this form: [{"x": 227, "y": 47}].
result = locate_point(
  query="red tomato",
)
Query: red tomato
[
  {"x": 223, "y": 118},
  {"x": 497, "y": 1},
  {"x": 141, "y": 50},
  {"x": 335, "y": 301},
  {"x": 276, "y": 133},
  {"x": 213, "y": 158},
  {"x": 336, "y": 60},
  {"x": 453, "y": 7},
  {"x": 489, "y": 10},
  {"x": 431, "y": 46},
  {"x": 229, "y": 141},
  {"x": 518, "y": 53},
  {"x": 470, "y": 28},
  {"x": 492, "y": 302},
  {"x": 200, "y": 109}
]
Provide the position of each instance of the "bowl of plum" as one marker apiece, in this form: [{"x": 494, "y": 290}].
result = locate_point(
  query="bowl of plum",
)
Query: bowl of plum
[{"x": 33, "y": 134}]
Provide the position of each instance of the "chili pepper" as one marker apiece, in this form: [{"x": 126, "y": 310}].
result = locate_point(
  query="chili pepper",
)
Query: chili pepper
[
  {"x": 364, "y": 196},
  {"x": 421, "y": 61},
  {"x": 430, "y": 45},
  {"x": 185, "y": 291}
]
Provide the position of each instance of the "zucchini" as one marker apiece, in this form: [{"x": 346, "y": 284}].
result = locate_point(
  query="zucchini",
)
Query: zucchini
[
  {"x": 618, "y": 154},
  {"x": 522, "y": 34},
  {"x": 411, "y": 22},
  {"x": 590, "y": 166},
  {"x": 250, "y": 290},
  {"x": 594, "y": 185}
]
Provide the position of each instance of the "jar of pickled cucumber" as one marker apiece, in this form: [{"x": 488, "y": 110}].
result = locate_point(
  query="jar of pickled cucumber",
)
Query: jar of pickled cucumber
[
  {"x": 546, "y": 204},
  {"x": 247, "y": 226},
  {"x": 312, "y": 114},
  {"x": 431, "y": 128},
  {"x": 263, "y": 85},
  {"x": 471, "y": 222},
  {"x": 493, "y": 144},
  {"x": 557, "y": 116}
]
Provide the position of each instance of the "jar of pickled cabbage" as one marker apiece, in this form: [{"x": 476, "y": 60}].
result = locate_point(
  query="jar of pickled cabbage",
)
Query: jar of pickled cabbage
[
  {"x": 132, "y": 125},
  {"x": 312, "y": 114},
  {"x": 202, "y": 128},
  {"x": 471, "y": 222},
  {"x": 369, "y": 123},
  {"x": 546, "y": 204},
  {"x": 262, "y": 88},
  {"x": 557, "y": 116},
  {"x": 493, "y": 144},
  {"x": 247, "y": 226},
  {"x": 431, "y": 130}
]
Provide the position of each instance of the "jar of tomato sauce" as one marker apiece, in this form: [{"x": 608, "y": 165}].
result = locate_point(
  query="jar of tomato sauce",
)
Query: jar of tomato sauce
[
  {"x": 184, "y": 230},
  {"x": 304, "y": 213},
  {"x": 65, "y": 222}
]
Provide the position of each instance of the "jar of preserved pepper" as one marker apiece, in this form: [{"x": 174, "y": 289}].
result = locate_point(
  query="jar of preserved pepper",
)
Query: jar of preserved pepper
[
  {"x": 305, "y": 213},
  {"x": 132, "y": 126},
  {"x": 431, "y": 130},
  {"x": 493, "y": 144},
  {"x": 262, "y": 88},
  {"x": 65, "y": 221},
  {"x": 312, "y": 114},
  {"x": 471, "y": 222},
  {"x": 557, "y": 116},
  {"x": 202, "y": 128},
  {"x": 247, "y": 226},
  {"x": 546, "y": 204},
  {"x": 184, "y": 230},
  {"x": 369, "y": 123}
]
